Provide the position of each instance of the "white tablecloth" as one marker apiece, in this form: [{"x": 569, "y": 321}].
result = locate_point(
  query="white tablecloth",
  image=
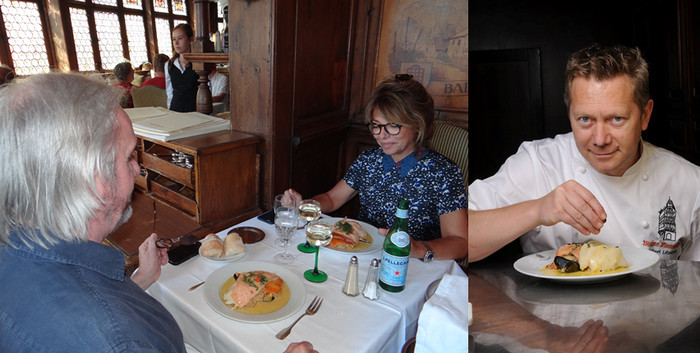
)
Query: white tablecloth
[{"x": 343, "y": 323}]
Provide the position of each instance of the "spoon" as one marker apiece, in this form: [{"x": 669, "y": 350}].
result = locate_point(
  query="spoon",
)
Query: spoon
[{"x": 186, "y": 239}]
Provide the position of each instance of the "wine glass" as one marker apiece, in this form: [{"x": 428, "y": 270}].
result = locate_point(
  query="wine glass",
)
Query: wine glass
[
  {"x": 309, "y": 210},
  {"x": 286, "y": 221},
  {"x": 317, "y": 234},
  {"x": 290, "y": 202}
]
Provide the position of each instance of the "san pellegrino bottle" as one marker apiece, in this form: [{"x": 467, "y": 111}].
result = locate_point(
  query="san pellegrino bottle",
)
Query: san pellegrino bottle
[{"x": 397, "y": 247}]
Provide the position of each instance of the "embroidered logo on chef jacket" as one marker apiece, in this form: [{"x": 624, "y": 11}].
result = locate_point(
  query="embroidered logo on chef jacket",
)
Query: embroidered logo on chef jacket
[
  {"x": 667, "y": 222},
  {"x": 667, "y": 244}
]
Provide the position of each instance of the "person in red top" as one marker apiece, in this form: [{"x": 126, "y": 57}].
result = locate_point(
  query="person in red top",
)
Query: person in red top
[
  {"x": 159, "y": 72},
  {"x": 125, "y": 74}
]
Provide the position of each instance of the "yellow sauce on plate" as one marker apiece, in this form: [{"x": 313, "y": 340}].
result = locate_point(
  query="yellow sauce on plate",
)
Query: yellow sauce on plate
[
  {"x": 549, "y": 272},
  {"x": 261, "y": 308}
]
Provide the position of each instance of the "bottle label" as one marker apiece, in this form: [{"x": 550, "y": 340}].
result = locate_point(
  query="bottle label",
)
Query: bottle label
[
  {"x": 400, "y": 239},
  {"x": 393, "y": 269},
  {"x": 401, "y": 213}
]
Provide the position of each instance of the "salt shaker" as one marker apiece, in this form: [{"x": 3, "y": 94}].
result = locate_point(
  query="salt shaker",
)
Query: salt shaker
[
  {"x": 370, "y": 292},
  {"x": 350, "y": 287}
]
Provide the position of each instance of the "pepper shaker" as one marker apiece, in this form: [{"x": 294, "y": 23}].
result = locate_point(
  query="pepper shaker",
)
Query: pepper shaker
[
  {"x": 370, "y": 292},
  {"x": 350, "y": 287}
]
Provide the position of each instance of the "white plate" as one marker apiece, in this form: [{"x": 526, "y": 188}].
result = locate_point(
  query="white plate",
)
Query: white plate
[
  {"x": 377, "y": 239},
  {"x": 532, "y": 264},
  {"x": 217, "y": 278},
  {"x": 225, "y": 258}
]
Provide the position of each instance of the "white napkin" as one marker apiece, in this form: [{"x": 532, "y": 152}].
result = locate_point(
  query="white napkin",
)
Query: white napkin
[{"x": 443, "y": 322}]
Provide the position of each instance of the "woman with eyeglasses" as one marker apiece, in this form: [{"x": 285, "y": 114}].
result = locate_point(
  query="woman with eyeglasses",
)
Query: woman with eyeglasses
[{"x": 399, "y": 116}]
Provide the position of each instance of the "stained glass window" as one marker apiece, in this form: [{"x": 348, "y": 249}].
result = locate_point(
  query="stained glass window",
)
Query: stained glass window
[
  {"x": 25, "y": 36},
  {"x": 81, "y": 37},
  {"x": 133, "y": 4},
  {"x": 165, "y": 43},
  {"x": 136, "y": 33},
  {"x": 160, "y": 5},
  {"x": 179, "y": 7},
  {"x": 110, "y": 40}
]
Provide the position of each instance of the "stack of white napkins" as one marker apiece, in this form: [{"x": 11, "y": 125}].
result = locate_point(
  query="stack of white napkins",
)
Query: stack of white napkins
[
  {"x": 443, "y": 323},
  {"x": 165, "y": 125}
]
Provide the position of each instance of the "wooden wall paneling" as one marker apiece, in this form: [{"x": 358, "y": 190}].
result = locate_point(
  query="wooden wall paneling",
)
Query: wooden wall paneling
[
  {"x": 250, "y": 77},
  {"x": 324, "y": 34}
]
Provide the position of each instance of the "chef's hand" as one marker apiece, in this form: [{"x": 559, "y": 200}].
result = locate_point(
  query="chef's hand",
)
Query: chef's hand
[
  {"x": 300, "y": 347},
  {"x": 574, "y": 205},
  {"x": 151, "y": 258},
  {"x": 591, "y": 337}
]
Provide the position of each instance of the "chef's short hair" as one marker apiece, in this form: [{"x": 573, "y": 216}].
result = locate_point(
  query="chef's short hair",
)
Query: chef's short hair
[
  {"x": 58, "y": 134},
  {"x": 606, "y": 62}
]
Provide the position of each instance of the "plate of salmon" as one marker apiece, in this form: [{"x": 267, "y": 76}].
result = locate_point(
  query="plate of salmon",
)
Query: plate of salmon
[
  {"x": 355, "y": 237},
  {"x": 254, "y": 292}
]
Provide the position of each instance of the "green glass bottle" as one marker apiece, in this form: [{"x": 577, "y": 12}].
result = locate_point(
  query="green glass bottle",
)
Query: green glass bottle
[{"x": 397, "y": 247}]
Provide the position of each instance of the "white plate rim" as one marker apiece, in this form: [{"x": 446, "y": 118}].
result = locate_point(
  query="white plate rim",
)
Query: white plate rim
[
  {"x": 225, "y": 258},
  {"x": 531, "y": 265},
  {"x": 378, "y": 239},
  {"x": 215, "y": 280}
]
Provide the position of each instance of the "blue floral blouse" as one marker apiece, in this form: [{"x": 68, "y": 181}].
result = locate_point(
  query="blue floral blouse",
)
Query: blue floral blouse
[{"x": 433, "y": 185}]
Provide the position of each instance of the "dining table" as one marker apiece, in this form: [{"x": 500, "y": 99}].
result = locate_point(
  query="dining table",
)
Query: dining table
[
  {"x": 654, "y": 309},
  {"x": 342, "y": 324}
]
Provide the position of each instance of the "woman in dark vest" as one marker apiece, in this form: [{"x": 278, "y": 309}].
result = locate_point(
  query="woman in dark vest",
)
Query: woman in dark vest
[{"x": 181, "y": 81}]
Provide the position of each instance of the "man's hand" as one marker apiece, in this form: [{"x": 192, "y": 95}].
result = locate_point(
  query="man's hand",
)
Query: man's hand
[
  {"x": 300, "y": 347},
  {"x": 151, "y": 258},
  {"x": 574, "y": 205}
]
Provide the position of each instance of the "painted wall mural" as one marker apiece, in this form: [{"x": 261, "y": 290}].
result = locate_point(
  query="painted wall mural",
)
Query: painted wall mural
[{"x": 429, "y": 40}]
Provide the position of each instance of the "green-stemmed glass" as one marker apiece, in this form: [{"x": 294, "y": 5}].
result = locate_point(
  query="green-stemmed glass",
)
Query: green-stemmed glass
[
  {"x": 317, "y": 234},
  {"x": 309, "y": 210}
]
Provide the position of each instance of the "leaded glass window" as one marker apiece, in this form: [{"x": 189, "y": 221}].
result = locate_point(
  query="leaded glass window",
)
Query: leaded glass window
[
  {"x": 165, "y": 43},
  {"x": 136, "y": 34},
  {"x": 25, "y": 36},
  {"x": 81, "y": 37},
  {"x": 110, "y": 39},
  {"x": 105, "y": 2}
]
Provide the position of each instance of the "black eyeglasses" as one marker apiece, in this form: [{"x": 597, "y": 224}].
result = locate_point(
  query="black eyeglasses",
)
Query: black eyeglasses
[{"x": 391, "y": 129}]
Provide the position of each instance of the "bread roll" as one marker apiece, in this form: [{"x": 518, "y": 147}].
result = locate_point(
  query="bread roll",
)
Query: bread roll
[
  {"x": 212, "y": 246},
  {"x": 233, "y": 244}
]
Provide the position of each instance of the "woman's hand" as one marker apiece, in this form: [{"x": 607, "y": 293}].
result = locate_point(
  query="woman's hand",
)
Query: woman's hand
[
  {"x": 291, "y": 195},
  {"x": 151, "y": 258}
]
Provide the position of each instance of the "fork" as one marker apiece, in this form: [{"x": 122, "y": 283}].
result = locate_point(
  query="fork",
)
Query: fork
[{"x": 311, "y": 310}]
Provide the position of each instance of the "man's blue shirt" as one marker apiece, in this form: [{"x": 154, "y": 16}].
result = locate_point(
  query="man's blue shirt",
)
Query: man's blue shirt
[{"x": 75, "y": 297}]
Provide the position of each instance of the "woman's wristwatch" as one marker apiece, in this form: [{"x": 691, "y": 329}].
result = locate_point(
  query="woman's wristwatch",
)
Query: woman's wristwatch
[{"x": 429, "y": 254}]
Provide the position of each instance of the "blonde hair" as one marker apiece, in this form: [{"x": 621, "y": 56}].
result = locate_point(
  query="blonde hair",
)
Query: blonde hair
[
  {"x": 404, "y": 101},
  {"x": 603, "y": 63}
]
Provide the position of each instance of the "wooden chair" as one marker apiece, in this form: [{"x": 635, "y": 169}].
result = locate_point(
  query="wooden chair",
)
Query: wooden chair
[
  {"x": 149, "y": 96},
  {"x": 451, "y": 142}
]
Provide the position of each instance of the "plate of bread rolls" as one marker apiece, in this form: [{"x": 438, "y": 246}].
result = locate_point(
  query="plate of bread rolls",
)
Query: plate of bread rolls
[{"x": 229, "y": 249}]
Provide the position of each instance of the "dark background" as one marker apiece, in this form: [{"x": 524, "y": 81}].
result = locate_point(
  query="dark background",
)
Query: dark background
[{"x": 517, "y": 57}]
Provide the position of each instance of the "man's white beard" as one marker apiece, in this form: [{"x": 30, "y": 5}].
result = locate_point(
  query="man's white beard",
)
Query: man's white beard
[{"x": 128, "y": 210}]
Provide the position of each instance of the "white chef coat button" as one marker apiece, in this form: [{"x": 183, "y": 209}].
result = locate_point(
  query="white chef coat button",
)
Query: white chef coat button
[
  {"x": 645, "y": 177},
  {"x": 582, "y": 170},
  {"x": 645, "y": 224}
]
